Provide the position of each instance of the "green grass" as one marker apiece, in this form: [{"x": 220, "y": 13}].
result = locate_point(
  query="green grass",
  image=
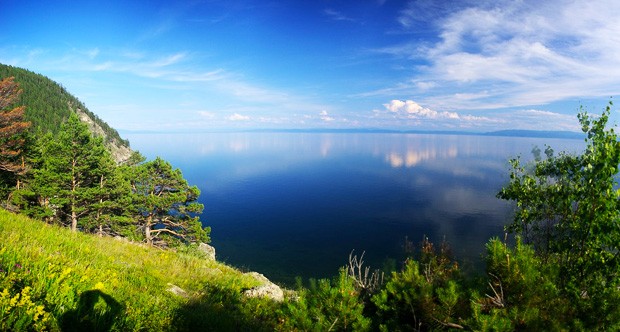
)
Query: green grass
[{"x": 53, "y": 279}]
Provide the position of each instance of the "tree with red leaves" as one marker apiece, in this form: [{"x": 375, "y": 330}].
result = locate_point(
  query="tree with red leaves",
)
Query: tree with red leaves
[{"x": 13, "y": 129}]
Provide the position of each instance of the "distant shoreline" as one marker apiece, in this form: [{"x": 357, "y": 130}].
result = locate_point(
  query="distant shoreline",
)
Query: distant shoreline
[{"x": 499, "y": 133}]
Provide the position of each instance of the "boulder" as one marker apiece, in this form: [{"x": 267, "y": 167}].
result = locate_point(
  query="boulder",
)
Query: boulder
[
  {"x": 208, "y": 250},
  {"x": 176, "y": 290},
  {"x": 267, "y": 288}
]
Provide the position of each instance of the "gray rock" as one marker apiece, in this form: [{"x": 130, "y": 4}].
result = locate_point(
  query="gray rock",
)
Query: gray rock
[
  {"x": 268, "y": 289},
  {"x": 176, "y": 290},
  {"x": 208, "y": 250}
]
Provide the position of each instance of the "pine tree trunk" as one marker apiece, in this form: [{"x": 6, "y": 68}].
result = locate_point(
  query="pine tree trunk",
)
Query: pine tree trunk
[
  {"x": 73, "y": 190},
  {"x": 99, "y": 210},
  {"x": 73, "y": 218},
  {"x": 147, "y": 231}
]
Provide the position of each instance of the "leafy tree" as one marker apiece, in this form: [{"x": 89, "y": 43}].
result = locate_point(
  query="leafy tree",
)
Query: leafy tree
[
  {"x": 73, "y": 167},
  {"x": 165, "y": 205},
  {"x": 568, "y": 207},
  {"x": 12, "y": 130}
]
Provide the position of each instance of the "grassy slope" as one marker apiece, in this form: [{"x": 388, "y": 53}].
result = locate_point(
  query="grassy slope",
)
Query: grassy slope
[{"x": 128, "y": 282}]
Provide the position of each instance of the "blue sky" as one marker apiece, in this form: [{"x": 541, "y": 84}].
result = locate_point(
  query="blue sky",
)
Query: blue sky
[{"x": 409, "y": 65}]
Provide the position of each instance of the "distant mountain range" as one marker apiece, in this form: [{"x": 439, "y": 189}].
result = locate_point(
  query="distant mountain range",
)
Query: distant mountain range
[
  {"x": 506, "y": 133},
  {"x": 537, "y": 133}
]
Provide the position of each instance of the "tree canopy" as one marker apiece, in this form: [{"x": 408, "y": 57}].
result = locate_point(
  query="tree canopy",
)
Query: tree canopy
[
  {"x": 165, "y": 205},
  {"x": 12, "y": 128},
  {"x": 568, "y": 208}
]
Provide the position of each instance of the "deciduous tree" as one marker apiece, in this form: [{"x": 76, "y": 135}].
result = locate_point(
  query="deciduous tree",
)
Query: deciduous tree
[
  {"x": 13, "y": 129},
  {"x": 568, "y": 207}
]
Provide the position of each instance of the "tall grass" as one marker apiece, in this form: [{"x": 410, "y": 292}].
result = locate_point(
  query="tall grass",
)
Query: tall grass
[{"x": 52, "y": 279}]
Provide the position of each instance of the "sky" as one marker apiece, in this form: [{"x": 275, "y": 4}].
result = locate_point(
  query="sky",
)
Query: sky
[{"x": 323, "y": 64}]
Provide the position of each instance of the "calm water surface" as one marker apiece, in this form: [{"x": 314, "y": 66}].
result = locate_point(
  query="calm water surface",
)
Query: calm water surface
[{"x": 296, "y": 204}]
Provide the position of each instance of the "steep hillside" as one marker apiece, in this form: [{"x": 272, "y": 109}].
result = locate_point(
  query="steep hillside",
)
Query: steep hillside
[
  {"x": 77, "y": 282},
  {"x": 48, "y": 104}
]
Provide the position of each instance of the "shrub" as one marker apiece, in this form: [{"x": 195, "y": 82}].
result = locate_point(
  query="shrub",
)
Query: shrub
[
  {"x": 328, "y": 305},
  {"x": 425, "y": 295},
  {"x": 520, "y": 292}
]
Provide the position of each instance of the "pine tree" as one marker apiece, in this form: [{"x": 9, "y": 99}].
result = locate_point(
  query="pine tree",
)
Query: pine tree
[
  {"x": 74, "y": 167},
  {"x": 109, "y": 212},
  {"x": 165, "y": 205}
]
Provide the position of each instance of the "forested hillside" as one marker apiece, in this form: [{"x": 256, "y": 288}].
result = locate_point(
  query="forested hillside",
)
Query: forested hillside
[
  {"x": 68, "y": 173},
  {"x": 48, "y": 105}
]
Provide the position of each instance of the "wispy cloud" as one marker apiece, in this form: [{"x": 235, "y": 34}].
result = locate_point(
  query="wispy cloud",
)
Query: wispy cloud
[
  {"x": 336, "y": 15},
  {"x": 512, "y": 53},
  {"x": 174, "y": 81},
  {"x": 534, "y": 119},
  {"x": 238, "y": 117}
]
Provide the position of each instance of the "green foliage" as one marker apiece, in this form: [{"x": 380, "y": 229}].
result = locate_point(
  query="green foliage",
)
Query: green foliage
[
  {"x": 75, "y": 182},
  {"x": 20, "y": 311},
  {"x": 520, "y": 292},
  {"x": 569, "y": 209},
  {"x": 165, "y": 205},
  {"x": 71, "y": 179},
  {"x": 425, "y": 295},
  {"x": 328, "y": 305}
]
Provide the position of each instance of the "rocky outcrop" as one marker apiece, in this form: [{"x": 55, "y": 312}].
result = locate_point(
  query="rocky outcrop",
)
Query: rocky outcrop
[
  {"x": 208, "y": 250},
  {"x": 267, "y": 288},
  {"x": 120, "y": 152}
]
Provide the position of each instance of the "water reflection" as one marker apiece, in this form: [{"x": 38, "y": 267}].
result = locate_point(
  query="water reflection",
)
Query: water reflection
[
  {"x": 413, "y": 156},
  {"x": 290, "y": 204}
]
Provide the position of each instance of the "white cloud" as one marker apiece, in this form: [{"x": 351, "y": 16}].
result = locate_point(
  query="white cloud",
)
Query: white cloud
[
  {"x": 511, "y": 53},
  {"x": 238, "y": 117},
  {"x": 411, "y": 109},
  {"x": 325, "y": 116}
]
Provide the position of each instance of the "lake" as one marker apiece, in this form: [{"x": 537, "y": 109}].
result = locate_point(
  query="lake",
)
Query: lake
[{"x": 296, "y": 204}]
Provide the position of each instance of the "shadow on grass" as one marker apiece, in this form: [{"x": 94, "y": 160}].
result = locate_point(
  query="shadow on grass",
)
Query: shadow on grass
[
  {"x": 222, "y": 309},
  {"x": 96, "y": 311}
]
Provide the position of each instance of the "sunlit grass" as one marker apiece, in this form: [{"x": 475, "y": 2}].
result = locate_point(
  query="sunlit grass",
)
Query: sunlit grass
[{"x": 51, "y": 278}]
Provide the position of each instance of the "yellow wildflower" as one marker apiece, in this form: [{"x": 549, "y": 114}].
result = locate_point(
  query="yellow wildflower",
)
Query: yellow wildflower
[
  {"x": 65, "y": 272},
  {"x": 40, "y": 311},
  {"x": 25, "y": 298},
  {"x": 14, "y": 300}
]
